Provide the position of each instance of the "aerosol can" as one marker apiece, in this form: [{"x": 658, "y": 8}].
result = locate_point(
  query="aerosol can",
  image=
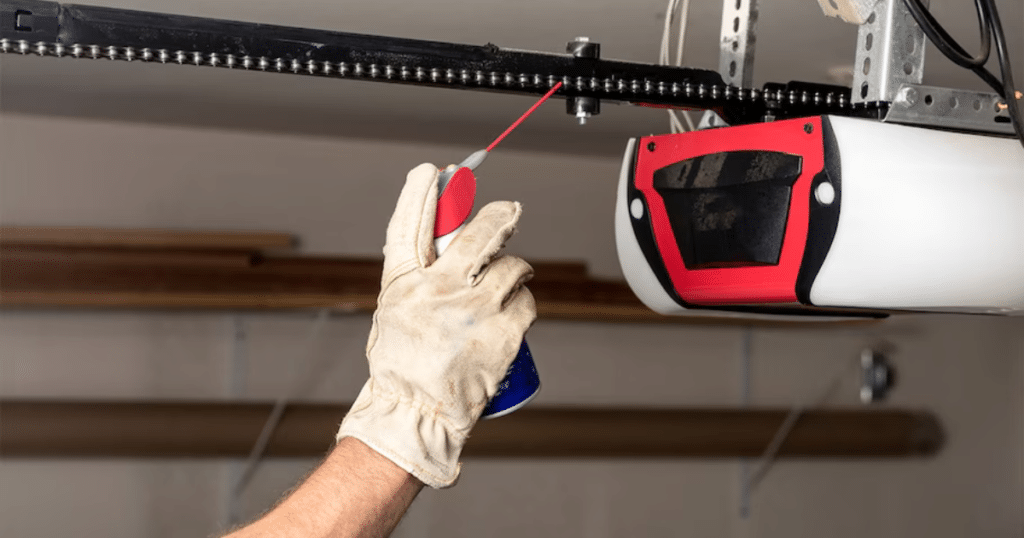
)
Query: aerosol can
[{"x": 456, "y": 193}]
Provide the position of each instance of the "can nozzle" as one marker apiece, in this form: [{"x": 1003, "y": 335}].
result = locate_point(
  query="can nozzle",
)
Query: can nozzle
[
  {"x": 474, "y": 159},
  {"x": 470, "y": 162}
]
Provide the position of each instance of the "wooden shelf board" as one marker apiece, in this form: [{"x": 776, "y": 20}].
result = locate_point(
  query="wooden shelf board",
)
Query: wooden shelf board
[
  {"x": 34, "y": 274},
  {"x": 55, "y": 428},
  {"x": 80, "y": 237}
]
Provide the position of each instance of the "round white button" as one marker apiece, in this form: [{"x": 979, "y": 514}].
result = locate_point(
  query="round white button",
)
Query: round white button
[
  {"x": 636, "y": 208},
  {"x": 825, "y": 193}
]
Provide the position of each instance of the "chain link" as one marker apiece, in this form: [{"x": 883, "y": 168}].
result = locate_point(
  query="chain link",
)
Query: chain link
[{"x": 610, "y": 88}]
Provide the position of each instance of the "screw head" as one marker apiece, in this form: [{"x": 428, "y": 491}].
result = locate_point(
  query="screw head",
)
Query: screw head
[
  {"x": 651, "y": 146},
  {"x": 808, "y": 128},
  {"x": 907, "y": 97}
]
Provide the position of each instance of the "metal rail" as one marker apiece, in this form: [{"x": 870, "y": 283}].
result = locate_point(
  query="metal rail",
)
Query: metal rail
[{"x": 68, "y": 30}]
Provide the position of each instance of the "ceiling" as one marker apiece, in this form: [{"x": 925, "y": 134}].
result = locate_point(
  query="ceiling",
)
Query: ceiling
[{"x": 795, "y": 42}]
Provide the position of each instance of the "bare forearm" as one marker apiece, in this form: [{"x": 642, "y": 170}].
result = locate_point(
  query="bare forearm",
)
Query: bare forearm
[{"x": 355, "y": 492}]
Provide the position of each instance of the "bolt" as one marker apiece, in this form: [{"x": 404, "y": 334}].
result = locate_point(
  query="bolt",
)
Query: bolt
[
  {"x": 583, "y": 47},
  {"x": 808, "y": 128},
  {"x": 907, "y": 97},
  {"x": 651, "y": 146}
]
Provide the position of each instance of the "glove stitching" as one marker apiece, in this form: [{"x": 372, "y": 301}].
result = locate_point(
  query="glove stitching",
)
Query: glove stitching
[
  {"x": 428, "y": 202},
  {"x": 424, "y": 408},
  {"x": 398, "y": 272},
  {"x": 494, "y": 245}
]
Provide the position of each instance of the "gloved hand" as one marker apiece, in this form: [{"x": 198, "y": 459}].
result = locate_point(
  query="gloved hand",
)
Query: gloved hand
[{"x": 444, "y": 333}]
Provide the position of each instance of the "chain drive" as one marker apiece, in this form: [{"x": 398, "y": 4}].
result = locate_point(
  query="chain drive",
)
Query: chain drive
[{"x": 615, "y": 89}]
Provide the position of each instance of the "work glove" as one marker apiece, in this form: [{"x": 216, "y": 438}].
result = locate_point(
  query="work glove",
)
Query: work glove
[{"x": 445, "y": 331}]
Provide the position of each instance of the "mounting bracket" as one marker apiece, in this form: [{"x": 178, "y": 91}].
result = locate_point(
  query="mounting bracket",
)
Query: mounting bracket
[
  {"x": 889, "y": 68},
  {"x": 890, "y": 53},
  {"x": 739, "y": 35}
]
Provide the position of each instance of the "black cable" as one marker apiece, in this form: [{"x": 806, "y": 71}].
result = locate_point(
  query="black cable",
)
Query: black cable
[
  {"x": 1010, "y": 93},
  {"x": 990, "y": 27},
  {"x": 949, "y": 46},
  {"x": 945, "y": 42}
]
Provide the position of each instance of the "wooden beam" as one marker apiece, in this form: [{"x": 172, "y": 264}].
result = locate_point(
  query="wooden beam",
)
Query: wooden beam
[
  {"x": 71, "y": 429},
  {"x": 79, "y": 237},
  {"x": 43, "y": 276}
]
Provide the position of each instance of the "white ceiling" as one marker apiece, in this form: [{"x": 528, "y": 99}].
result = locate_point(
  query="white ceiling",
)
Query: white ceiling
[{"x": 795, "y": 42}]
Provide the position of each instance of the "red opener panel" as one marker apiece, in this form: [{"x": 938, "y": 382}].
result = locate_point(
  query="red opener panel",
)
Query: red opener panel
[{"x": 734, "y": 285}]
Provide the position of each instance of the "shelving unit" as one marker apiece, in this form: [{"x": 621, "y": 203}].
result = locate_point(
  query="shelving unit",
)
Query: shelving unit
[
  {"x": 210, "y": 270},
  {"x": 161, "y": 269}
]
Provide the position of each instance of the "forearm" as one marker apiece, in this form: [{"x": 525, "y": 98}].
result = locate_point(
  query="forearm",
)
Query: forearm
[
  {"x": 445, "y": 331},
  {"x": 355, "y": 492}
]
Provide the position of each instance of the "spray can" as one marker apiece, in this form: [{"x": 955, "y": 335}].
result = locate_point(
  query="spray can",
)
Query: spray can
[{"x": 457, "y": 190}]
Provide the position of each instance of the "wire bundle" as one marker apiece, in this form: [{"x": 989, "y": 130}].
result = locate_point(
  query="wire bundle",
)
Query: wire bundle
[
  {"x": 679, "y": 10},
  {"x": 990, "y": 27}
]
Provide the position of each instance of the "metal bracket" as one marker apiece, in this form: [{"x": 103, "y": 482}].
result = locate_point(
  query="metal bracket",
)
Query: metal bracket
[
  {"x": 890, "y": 53},
  {"x": 710, "y": 120},
  {"x": 583, "y": 107},
  {"x": 889, "y": 68},
  {"x": 736, "y": 56},
  {"x": 948, "y": 108}
]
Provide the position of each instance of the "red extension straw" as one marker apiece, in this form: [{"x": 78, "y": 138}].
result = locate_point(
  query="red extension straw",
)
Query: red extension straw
[{"x": 524, "y": 116}]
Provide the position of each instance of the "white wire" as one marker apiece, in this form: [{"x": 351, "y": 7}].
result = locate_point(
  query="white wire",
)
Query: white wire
[
  {"x": 256, "y": 454},
  {"x": 684, "y": 17},
  {"x": 768, "y": 457},
  {"x": 666, "y": 31},
  {"x": 673, "y": 122},
  {"x": 684, "y": 22},
  {"x": 665, "y": 58}
]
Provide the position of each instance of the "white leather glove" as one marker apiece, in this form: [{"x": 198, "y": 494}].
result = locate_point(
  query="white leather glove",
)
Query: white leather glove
[{"x": 444, "y": 333}]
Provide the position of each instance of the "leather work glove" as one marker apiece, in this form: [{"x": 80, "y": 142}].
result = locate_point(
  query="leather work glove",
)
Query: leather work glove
[{"x": 444, "y": 333}]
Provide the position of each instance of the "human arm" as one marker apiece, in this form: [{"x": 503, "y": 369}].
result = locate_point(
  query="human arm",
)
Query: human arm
[
  {"x": 444, "y": 333},
  {"x": 355, "y": 492}
]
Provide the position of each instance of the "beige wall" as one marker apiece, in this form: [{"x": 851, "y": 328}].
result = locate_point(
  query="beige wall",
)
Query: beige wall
[{"x": 337, "y": 195}]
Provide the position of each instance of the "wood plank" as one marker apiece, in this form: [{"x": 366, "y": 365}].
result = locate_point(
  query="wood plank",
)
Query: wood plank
[
  {"x": 131, "y": 238},
  {"x": 139, "y": 429}
]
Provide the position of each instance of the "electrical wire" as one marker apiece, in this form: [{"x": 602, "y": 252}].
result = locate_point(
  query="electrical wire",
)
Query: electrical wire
[
  {"x": 945, "y": 43},
  {"x": 277, "y": 412},
  {"x": 665, "y": 55},
  {"x": 949, "y": 46},
  {"x": 990, "y": 29},
  {"x": 1011, "y": 95},
  {"x": 772, "y": 450},
  {"x": 663, "y": 58},
  {"x": 684, "y": 17}
]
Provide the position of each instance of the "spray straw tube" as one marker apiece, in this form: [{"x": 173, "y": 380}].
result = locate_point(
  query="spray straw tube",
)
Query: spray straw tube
[{"x": 457, "y": 188}]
